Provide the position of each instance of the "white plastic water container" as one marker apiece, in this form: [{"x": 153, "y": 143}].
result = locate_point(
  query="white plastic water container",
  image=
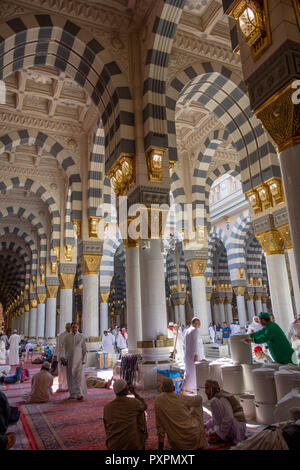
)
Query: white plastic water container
[
  {"x": 271, "y": 365},
  {"x": 265, "y": 413},
  {"x": 248, "y": 405},
  {"x": 202, "y": 373},
  {"x": 248, "y": 379},
  {"x": 215, "y": 372},
  {"x": 233, "y": 380},
  {"x": 285, "y": 381},
  {"x": 264, "y": 386},
  {"x": 291, "y": 400},
  {"x": 290, "y": 367},
  {"x": 241, "y": 352}
]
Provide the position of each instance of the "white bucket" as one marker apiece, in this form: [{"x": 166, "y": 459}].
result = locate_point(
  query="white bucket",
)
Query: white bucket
[
  {"x": 285, "y": 381},
  {"x": 233, "y": 380},
  {"x": 265, "y": 413},
  {"x": 264, "y": 385},
  {"x": 202, "y": 373},
  {"x": 248, "y": 379},
  {"x": 247, "y": 402},
  {"x": 271, "y": 365},
  {"x": 241, "y": 352},
  {"x": 215, "y": 372}
]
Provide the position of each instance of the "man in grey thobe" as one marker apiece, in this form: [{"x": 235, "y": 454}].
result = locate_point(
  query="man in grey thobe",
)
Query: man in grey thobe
[{"x": 73, "y": 350}]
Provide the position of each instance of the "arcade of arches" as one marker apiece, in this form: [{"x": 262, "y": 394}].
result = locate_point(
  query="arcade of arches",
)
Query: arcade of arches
[{"x": 161, "y": 101}]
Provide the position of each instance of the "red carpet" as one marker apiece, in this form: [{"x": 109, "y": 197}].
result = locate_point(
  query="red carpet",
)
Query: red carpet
[{"x": 69, "y": 424}]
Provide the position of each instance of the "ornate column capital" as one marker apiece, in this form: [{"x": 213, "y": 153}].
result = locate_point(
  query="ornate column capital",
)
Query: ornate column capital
[
  {"x": 208, "y": 296},
  {"x": 285, "y": 233},
  {"x": 33, "y": 303},
  {"x": 103, "y": 296},
  {"x": 66, "y": 280},
  {"x": 249, "y": 296},
  {"x": 90, "y": 263},
  {"x": 196, "y": 266},
  {"x": 41, "y": 298},
  {"x": 51, "y": 291},
  {"x": 26, "y": 307},
  {"x": 239, "y": 290},
  {"x": 257, "y": 296},
  {"x": 228, "y": 300},
  {"x": 271, "y": 241}
]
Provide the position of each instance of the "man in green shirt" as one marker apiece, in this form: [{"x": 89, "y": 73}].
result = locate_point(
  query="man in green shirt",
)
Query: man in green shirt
[{"x": 279, "y": 347}]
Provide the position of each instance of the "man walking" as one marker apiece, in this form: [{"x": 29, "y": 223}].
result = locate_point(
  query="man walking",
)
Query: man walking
[
  {"x": 14, "y": 342},
  {"x": 62, "y": 369},
  {"x": 73, "y": 352},
  {"x": 194, "y": 352}
]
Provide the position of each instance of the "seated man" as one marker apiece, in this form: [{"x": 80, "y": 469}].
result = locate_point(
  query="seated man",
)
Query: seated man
[
  {"x": 20, "y": 375},
  {"x": 227, "y": 423},
  {"x": 181, "y": 418},
  {"x": 47, "y": 354},
  {"x": 124, "y": 419},
  {"x": 260, "y": 355},
  {"x": 40, "y": 386}
]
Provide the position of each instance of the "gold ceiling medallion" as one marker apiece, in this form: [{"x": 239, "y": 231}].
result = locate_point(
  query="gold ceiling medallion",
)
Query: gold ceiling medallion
[
  {"x": 254, "y": 200},
  {"x": 296, "y": 4},
  {"x": 154, "y": 157},
  {"x": 122, "y": 174},
  {"x": 253, "y": 19}
]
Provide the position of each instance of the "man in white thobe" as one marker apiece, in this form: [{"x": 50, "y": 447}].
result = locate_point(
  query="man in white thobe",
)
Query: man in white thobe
[
  {"x": 108, "y": 342},
  {"x": 13, "y": 354},
  {"x": 62, "y": 370},
  {"x": 73, "y": 350},
  {"x": 121, "y": 341},
  {"x": 194, "y": 352},
  {"x": 227, "y": 423}
]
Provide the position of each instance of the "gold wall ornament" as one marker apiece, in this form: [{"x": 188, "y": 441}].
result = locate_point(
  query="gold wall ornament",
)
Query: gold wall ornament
[
  {"x": 249, "y": 296},
  {"x": 264, "y": 286},
  {"x": 90, "y": 264},
  {"x": 66, "y": 280},
  {"x": 281, "y": 118},
  {"x": 276, "y": 189},
  {"x": 253, "y": 19},
  {"x": 173, "y": 288},
  {"x": 241, "y": 273},
  {"x": 181, "y": 300},
  {"x": 93, "y": 226},
  {"x": 41, "y": 298},
  {"x": 33, "y": 303},
  {"x": 208, "y": 296},
  {"x": 68, "y": 250},
  {"x": 254, "y": 200},
  {"x": 42, "y": 274},
  {"x": 27, "y": 287},
  {"x": 271, "y": 242},
  {"x": 239, "y": 291},
  {"x": 228, "y": 300},
  {"x": 51, "y": 291},
  {"x": 250, "y": 281},
  {"x": 154, "y": 158},
  {"x": 182, "y": 287},
  {"x": 77, "y": 225},
  {"x": 56, "y": 249},
  {"x": 104, "y": 297},
  {"x": 122, "y": 174},
  {"x": 196, "y": 266},
  {"x": 26, "y": 307},
  {"x": 53, "y": 267},
  {"x": 285, "y": 233},
  {"x": 208, "y": 281},
  {"x": 264, "y": 195}
]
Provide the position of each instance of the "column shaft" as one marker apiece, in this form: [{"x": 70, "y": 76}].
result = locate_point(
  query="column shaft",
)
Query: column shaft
[
  {"x": 32, "y": 322},
  {"x": 66, "y": 308},
  {"x": 295, "y": 281},
  {"x": 133, "y": 297},
  {"x": 199, "y": 303},
  {"x": 240, "y": 301},
  {"x": 103, "y": 317},
  {"x": 50, "y": 328},
  {"x": 41, "y": 321},
  {"x": 250, "y": 309},
  {"x": 90, "y": 305}
]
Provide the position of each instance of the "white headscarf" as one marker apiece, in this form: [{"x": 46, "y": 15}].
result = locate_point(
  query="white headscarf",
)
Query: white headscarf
[{"x": 254, "y": 326}]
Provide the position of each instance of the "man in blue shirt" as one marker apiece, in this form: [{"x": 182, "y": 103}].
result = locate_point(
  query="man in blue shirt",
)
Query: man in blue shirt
[{"x": 226, "y": 332}]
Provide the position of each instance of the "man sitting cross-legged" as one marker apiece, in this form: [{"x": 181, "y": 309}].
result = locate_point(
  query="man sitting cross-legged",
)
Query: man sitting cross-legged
[
  {"x": 124, "y": 419},
  {"x": 227, "y": 423},
  {"x": 181, "y": 418}
]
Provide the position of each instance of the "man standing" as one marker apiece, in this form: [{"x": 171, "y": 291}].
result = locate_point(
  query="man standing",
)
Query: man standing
[
  {"x": 108, "y": 342},
  {"x": 293, "y": 335},
  {"x": 14, "y": 342},
  {"x": 181, "y": 418},
  {"x": 73, "y": 351},
  {"x": 62, "y": 369},
  {"x": 120, "y": 342},
  {"x": 124, "y": 419},
  {"x": 278, "y": 345},
  {"x": 194, "y": 352},
  {"x": 226, "y": 331}
]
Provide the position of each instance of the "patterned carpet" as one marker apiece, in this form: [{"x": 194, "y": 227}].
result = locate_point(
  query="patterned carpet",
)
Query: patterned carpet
[{"x": 69, "y": 424}]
